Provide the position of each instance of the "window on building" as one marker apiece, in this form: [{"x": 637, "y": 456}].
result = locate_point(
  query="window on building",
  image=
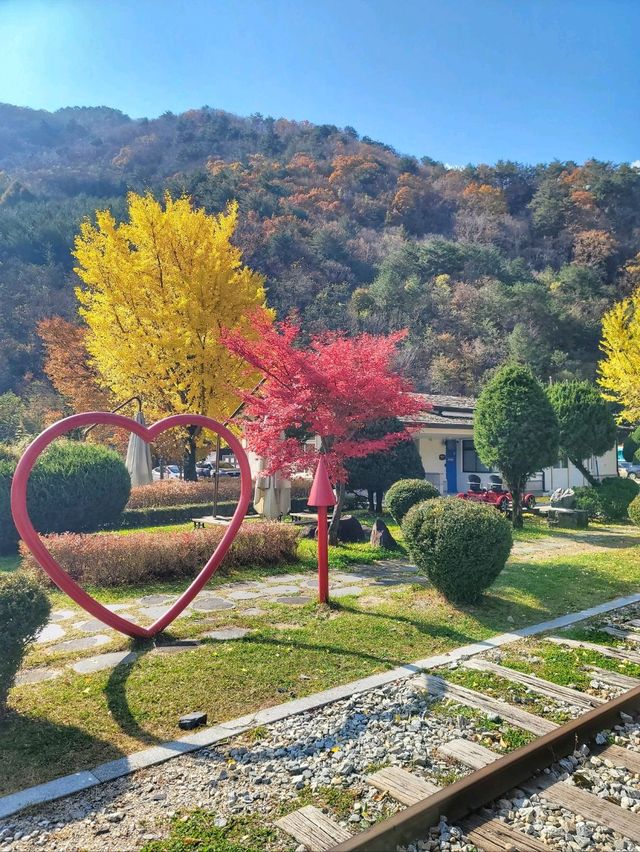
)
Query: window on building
[{"x": 470, "y": 461}]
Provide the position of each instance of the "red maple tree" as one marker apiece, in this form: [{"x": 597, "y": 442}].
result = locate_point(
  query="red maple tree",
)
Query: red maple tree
[{"x": 316, "y": 398}]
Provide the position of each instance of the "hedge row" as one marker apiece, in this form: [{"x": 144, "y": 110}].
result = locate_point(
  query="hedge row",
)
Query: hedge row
[
  {"x": 177, "y": 492},
  {"x": 109, "y": 559},
  {"x": 163, "y": 515},
  {"x": 610, "y": 500},
  {"x": 73, "y": 486}
]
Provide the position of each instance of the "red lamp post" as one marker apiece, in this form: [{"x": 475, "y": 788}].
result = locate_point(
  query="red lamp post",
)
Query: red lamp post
[{"x": 322, "y": 497}]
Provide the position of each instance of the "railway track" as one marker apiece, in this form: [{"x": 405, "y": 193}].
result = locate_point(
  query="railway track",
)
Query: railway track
[{"x": 464, "y": 802}]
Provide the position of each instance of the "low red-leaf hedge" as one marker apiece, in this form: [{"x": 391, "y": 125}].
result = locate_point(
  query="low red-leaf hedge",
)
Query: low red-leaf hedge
[
  {"x": 109, "y": 559},
  {"x": 177, "y": 492}
]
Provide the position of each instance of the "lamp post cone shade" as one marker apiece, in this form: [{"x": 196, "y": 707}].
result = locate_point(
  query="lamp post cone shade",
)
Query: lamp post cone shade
[
  {"x": 321, "y": 497},
  {"x": 321, "y": 490},
  {"x": 138, "y": 461}
]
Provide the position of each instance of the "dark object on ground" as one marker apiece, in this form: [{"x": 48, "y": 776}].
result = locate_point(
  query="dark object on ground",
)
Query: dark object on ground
[
  {"x": 192, "y": 720},
  {"x": 381, "y": 537},
  {"x": 350, "y": 529},
  {"x": 309, "y": 531},
  {"x": 574, "y": 519}
]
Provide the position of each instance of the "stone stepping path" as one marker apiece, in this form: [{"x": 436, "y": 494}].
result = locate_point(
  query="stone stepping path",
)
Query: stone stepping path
[{"x": 60, "y": 635}]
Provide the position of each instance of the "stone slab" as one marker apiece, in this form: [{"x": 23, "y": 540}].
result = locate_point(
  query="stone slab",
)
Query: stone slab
[
  {"x": 93, "y": 625},
  {"x": 178, "y": 647},
  {"x": 153, "y": 612},
  {"x": 245, "y": 596},
  {"x": 298, "y": 600},
  {"x": 345, "y": 590},
  {"x": 226, "y": 633},
  {"x": 36, "y": 675},
  {"x": 62, "y": 614},
  {"x": 284, "y": 590},
  {"x": 142, "y": 759},
  {"x": 50, "y": 633},
  {"x": 212, "y": 605},
  {"x": 64, "y": 786},
  {"x": 253, "y": 610},
  {"x": 156, "y": 600},
  {"x": 79, "y": 644},
  {"x": 100, "y": 662}
]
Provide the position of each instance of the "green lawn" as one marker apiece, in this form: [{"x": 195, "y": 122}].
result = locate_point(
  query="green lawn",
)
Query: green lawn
[{"x": 76, "y": 721}]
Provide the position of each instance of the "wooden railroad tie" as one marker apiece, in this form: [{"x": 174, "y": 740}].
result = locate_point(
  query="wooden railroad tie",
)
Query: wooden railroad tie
[
  {"x": 614, "y": 653},
  {"x": 537, "y": 684},
  {"x": 313, "y": 828}
]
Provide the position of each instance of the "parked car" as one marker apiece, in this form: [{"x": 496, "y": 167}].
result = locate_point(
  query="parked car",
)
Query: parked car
[
  {"x": 229, "y": 471},
  {"x": 629, "y": 469},
  {"x": 204, "y": 470},
  {"x": 170, "y": 471},
  {"x": 494, "y": 495}
]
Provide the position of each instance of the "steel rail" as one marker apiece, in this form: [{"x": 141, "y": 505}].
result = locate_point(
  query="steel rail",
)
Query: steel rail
[{"x": 477, "y": 789}]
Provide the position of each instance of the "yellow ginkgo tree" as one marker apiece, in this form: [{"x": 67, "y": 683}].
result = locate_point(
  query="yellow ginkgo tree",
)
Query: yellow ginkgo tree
[
  {"x": 158, "y": 289},
  {"x": 619, "y": 370}
]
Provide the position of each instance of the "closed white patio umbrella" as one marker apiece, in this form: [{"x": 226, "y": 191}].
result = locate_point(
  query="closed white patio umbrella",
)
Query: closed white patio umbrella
[
  {"x": 138, "y": 461},
  {"x": 272, "y": 494}
]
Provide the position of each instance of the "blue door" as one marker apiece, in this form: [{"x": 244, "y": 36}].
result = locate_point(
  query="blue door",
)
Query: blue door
[{"x": 451, "y": 466}]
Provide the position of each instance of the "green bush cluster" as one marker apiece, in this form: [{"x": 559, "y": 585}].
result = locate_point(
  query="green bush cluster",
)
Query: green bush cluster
[
  {"x": 610, "y": 500},
  {"x": 634, "y": 510},
  {"x": 24, "y": 610},
  {"x": 406, "y": 493},
  {"x": 461, "y": 546},
  {"x": 73, "y": 487}
]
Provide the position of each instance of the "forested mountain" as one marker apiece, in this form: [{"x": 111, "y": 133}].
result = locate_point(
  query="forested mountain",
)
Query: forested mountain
[{"x": 480, "y": 263}]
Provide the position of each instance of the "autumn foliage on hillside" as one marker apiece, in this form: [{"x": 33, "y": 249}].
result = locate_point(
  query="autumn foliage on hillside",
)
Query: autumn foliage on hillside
[{"x": 481, "y": 264}]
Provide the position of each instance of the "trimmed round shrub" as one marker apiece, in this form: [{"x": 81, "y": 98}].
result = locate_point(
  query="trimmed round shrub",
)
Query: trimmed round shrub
[
  {"x": 74, "y": 487},
  {"x": 406, "y": 493},
  {"x": 610, "y": 501},
  {"x": 634, "y": 510},
  {"x": 461, "y": 546},
  {"x": 24, "y": 610}
]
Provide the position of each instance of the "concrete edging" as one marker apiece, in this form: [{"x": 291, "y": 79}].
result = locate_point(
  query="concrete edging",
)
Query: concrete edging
[{"x": 83, "y": 780}]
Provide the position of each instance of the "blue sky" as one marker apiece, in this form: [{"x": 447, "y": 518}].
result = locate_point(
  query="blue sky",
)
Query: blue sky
[{"x": 458, "y": 80}]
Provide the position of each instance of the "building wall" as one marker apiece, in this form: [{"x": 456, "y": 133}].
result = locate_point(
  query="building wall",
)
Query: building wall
[{"x": 431, "y": 444}]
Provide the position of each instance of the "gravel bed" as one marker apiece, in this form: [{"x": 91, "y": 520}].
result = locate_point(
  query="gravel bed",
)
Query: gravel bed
[
  {"x": 277, "y": 768},
  {"x": 335, "y": 746}
]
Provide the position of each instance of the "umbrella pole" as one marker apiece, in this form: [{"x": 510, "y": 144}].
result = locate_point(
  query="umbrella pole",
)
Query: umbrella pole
[{"x": 216, "y": 478}]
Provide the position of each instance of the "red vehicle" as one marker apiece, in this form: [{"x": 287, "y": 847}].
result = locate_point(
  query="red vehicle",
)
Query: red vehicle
[{"x": 495, "y": 494}]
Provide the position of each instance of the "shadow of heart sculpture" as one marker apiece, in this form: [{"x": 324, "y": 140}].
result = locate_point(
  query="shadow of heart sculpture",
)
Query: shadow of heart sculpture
[{"x": 148, "y": 433}]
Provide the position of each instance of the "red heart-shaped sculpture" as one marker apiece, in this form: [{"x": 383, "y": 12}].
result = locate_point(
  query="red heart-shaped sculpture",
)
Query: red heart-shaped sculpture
[{"x": 147, "y": 433}]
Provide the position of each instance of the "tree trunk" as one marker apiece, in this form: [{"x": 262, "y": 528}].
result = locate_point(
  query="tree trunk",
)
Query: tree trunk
[
  {"x": 516, "y": 504},
  {"x": 337, "y": 514},
  {"x": 583, "y": 470},
  {"x": 370, "y": 497},
  {"x": 379, "y": 495},
  {"x": 189, "y": 458}
]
